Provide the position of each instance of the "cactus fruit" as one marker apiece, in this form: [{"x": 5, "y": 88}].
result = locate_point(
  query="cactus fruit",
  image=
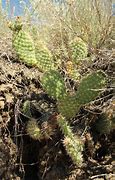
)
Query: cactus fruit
[
  {"x": 73, "y": 144},
  {"x": 78, "y": 49},
  {"x": 53, "y": 83},
  {"x": 33, "y": 130},
  {"x": 16, "y": 26},
  {"x": 68, "y": 106},
  {"x": 90, "y": 87},
  {"x": 71, "y": 71},
  {"x": 44, "y": 58}
]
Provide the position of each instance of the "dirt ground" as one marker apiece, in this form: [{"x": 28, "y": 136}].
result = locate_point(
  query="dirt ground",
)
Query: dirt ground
[{"x": 23, "y": 158}]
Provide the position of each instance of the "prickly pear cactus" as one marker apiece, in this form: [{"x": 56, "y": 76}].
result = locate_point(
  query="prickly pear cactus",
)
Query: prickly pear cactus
[
  {"x": 23, "y": 43},
  {"x": 73, "y": 144},
  {"x": 44, "y": 58},
  {"x": 16, "y": 26},
  {"x": 29, "y": 50},
  {"x": 68, "y": 106},
  {"x": 33, "y": 130},
  {"x": 24, "y": 47},
  {"x": 53, "y": 83},
  {"x": 74, "y": 149},
  {"x": 90, "y": 87},
  {"x": 78, "y": 49}
]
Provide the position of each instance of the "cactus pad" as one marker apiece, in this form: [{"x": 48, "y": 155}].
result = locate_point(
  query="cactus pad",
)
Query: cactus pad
[
  {"x": 90, "y": 87},
  {"x": 33, "y": 130},
  {"x": 44, "y": 58},
  {"x": 78, "y": 49},
  {"x": 73, "y": 144},
  {"x": 24, "y": 47},
  {"x": 68, "y": 106},
  {"x": 53, "y": 83},
  {"x": 74, "y": 149}
]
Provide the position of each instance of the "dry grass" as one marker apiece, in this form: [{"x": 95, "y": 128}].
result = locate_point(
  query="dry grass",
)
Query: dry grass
[
  {"x": 89, "y": 19},
  {"x": 58, "y": 22}
]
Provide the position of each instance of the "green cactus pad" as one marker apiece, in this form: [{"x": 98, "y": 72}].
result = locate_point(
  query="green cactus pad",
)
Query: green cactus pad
[
  {"x": 73, "y": 144},
  {"x": 64, "y": 126},
  {"x": 90, "y": 87},
  {"x": 68, "y": 106},
  {"x": 74, "y": 149},
  {"x": 24, "y": 47},
  {"x": 78, "y": 49},
  {"x": 53, "y": 84},
  {"x": 44, "y": 58}
]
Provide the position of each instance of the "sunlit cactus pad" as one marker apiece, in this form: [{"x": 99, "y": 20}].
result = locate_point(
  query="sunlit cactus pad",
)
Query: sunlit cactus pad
[
  {"x": 68, "y": 106},
  {"x": 24, "y": 47},
  {"x": 44, "y": 58},
  {"x": 53, "y": 84},
  {"x": 90, "y": 87},
  {"x": 78, "y": 49}
]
